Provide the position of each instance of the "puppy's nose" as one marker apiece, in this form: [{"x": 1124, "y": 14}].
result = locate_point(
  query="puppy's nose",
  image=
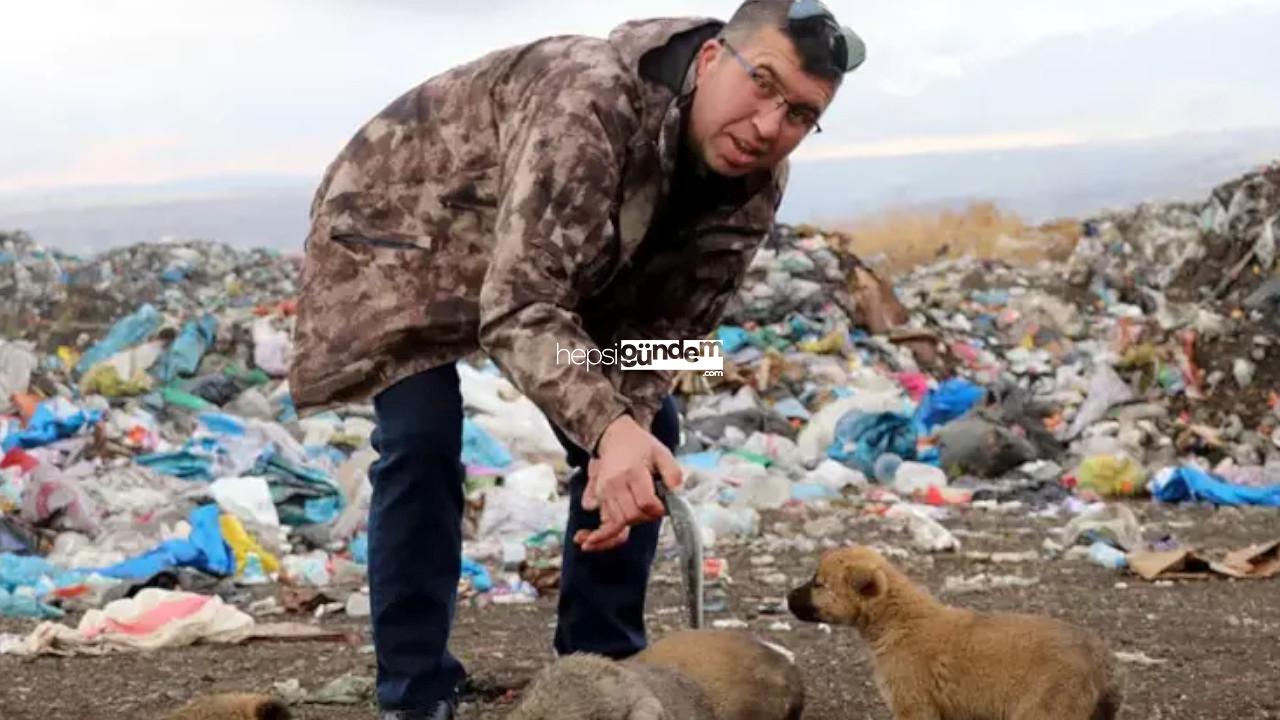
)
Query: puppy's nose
[{"x": 800, "y": 602}]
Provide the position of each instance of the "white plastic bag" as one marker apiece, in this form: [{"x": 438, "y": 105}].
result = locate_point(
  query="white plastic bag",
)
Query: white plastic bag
[
  {"x": 510, "y": 514},
  {"x": 272, "y": 348},
  {"x": 248, "y": 499}
]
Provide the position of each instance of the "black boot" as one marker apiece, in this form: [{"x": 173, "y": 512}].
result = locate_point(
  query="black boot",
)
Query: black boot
[{"x": 444, "y": 710}]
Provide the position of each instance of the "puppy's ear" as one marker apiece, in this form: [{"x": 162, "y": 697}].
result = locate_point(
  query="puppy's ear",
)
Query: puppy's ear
[{"x": 869, "y": 583}]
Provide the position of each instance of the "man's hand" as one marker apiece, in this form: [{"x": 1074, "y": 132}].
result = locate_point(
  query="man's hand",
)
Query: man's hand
[{"x": 620, "y": 483}]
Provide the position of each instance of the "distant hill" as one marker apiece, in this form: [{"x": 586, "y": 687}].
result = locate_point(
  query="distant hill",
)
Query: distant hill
[{"x": 1037, "y": 184}]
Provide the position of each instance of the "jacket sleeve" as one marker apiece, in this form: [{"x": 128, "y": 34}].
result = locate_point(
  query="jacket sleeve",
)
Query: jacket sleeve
[{"x": 563, "y": 151}]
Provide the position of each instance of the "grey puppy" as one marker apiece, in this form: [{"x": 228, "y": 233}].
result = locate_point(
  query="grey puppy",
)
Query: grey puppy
[{"x": 688, "y": 675}]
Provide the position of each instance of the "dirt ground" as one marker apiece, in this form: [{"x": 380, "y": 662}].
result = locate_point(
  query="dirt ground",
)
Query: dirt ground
[{"x": 1214, "y": 644}]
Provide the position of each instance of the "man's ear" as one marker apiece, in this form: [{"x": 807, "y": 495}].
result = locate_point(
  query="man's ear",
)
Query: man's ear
[
  {"x": 869, "y": 583},
  {"x": 707, "y": 55}
]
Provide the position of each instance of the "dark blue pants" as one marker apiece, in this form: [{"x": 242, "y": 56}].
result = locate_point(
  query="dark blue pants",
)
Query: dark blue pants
[{"x": 415, "y": 546}]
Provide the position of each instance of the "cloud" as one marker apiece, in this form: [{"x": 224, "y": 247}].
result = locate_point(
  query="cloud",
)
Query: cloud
[{"x": 279, "y": 86}]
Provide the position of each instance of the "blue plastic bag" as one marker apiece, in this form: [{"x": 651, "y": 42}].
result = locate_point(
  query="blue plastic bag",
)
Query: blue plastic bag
[
  {"x": 861, "y": 438},
  {"x": 53, "y": 420},
  {"x": 704, "y": 460},
  {"x": 288, "y": 411},
  {"x": 204, "y": 550},
  {"x": 360, "y": 548},
  {"x": 482, "y": 449},
  {"x": 480, "y": 579},
  {"x": 1191, "y": 484},
  {"x": 183, "y": 464},
  {"x": 792, "y": 408},
  {"x": 808, "y": 492},
  {"x": 126, "y": 333},
  {"x": 182, "y": 359},
  {"x": 732, "y": 338},
  {"x": 950, "y": 400},
  {"x": 26, "y": 605},
  {"x": 33, "y": 571}
]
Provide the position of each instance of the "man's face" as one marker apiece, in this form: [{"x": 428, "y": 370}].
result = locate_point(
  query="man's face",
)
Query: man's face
[{"x": 735, "y": 124}]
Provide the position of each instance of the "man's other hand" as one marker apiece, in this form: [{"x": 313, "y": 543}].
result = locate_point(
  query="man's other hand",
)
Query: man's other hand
[{"x": 620, "y": 483}]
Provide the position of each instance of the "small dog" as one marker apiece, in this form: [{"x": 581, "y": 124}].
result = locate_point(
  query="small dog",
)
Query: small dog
[
  {"x": 688, "y": 675},
  {"x": 232, "y": 706},
  {"x": 934, "y": 662}
]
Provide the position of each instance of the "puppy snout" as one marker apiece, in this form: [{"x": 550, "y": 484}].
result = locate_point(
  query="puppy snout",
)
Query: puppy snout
[{"x": 800, "y": 603}]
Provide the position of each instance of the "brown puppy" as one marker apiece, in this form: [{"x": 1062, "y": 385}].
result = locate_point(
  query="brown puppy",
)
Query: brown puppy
[
  {"x": 742, "y": 677},
  {"x": 232, "y": 706},
  {"x": 688, "y": 675},
  {"x": 934, "y": 662}
]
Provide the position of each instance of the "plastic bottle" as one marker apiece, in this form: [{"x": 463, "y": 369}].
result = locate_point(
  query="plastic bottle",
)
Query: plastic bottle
[
  {"x": 1107, "y": 556},
  {"x": 886, "y": 468}
]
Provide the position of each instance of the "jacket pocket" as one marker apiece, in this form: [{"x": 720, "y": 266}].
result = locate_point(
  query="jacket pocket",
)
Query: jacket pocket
[{"x": 353, "y": 241}]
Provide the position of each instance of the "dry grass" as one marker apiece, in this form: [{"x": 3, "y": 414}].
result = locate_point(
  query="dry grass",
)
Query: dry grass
[{"x": 896, "y": 240}]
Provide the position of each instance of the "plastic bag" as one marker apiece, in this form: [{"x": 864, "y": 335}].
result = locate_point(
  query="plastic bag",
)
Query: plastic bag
[
  {"x": 1191, "y": 484},
  {"x": 534, "y": 481},
  {"x": 272, "y": 348},
  {"x": 53, "y": 420},
  {"x": 243, "y": 546},
  {"x": 836, "y": 476},
  {"x": 247, "y": 498},
  {"x": 927, "y": 534},
  {"x": 816, "y": 437},
  {"x": 861, "y": 438},
  {"x": 23, "y": 603},
  {"x": 1106, "y": 390},
  {"x": 17, "y": 361},
  {"x": 1115, "y": 524},
  {"x": 723, "y": 522},
  {"x": 126, "y": 333},
  {"x": 477, "y": 574},
  {"x": 1111, "y": 475},
  {"x": 732, "y": 338},
  {"x": 479, "y": 448},
  {"x": 205, "y": 549},
  {"x": 950, "y": 400},
  {"x": 912, "y": 477},
  {"x": 312, "y": 569},
  {"x": 183, "y": 357},
  {"x": 49, "y": 494},
  {"x": 512, "y": 514},
  {"x": 781, "y": 451},
  {"x": 763, "y": 490}
]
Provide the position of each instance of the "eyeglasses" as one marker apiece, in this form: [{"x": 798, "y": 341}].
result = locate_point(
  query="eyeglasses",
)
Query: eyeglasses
[
  {"x": 810, "y": 19},
  {"x": 799, "y": 117}
]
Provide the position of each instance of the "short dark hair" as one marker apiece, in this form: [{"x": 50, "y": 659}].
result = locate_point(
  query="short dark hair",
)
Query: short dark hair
[{"x": 754, "y": 15}]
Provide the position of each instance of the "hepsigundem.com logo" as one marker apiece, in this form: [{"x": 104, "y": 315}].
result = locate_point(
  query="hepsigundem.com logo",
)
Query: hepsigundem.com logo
[{"x": 697, "y": 355}]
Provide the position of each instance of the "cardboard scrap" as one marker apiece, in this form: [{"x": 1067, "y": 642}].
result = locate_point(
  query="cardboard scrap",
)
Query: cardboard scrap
[
  {"x": 1253, "y": 562},
  {"x": 1182, "y": 564}
]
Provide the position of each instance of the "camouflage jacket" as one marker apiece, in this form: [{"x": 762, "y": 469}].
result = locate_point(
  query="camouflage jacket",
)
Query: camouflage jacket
[{"x": 499, "y": 207}]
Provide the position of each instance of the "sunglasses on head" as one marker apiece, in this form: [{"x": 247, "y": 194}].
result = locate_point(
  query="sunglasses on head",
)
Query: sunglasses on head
[{"x": 812, "y": 19}]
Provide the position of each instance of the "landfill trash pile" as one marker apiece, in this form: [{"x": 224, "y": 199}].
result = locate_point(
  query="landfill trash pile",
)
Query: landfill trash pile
[
  {"x": 52, "y": 297},
  {"x": 150, "y": 441}
]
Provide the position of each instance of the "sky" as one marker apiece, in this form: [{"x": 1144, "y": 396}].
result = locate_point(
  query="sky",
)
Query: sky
[{"x": 120, "y": 92}]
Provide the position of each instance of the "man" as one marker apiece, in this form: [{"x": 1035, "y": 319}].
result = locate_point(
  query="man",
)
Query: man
[{"x": 569, "y": 193}]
